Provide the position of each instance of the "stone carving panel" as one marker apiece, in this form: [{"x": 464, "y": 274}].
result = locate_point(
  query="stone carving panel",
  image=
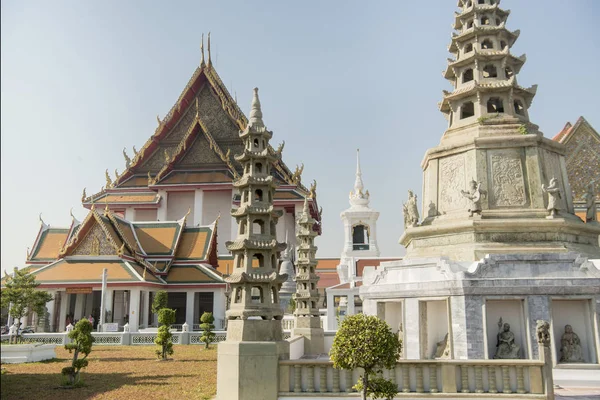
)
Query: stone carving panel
[
  {"x": 451, "y": 182},
  {"x": 216, "y": 119},
  {"x": 508, "y": 183},
  {"x": 200, "y": 153},
  {"x": 583, "y": 162},
  {"x": 157, "y": 160},
  {"x": 179, "y": 131},
  {"x": 94, "y": 243}
]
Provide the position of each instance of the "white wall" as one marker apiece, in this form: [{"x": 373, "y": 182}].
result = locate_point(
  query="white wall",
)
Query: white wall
[
  {"x": 577, "y": 314},
  {"x": 512, "y": 313},
  {"x": 437, "y": 325},
  {"x": 178, "y": 204},
  {"x": 145, "y": 215},
  {"x": 216, "y": 202}
]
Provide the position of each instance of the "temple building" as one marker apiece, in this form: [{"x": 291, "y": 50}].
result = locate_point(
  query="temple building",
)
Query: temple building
[
  {"x": 582, "y": 156},
  {"x": 160, "y": 216},
  {"x": 498, "y": 246}
]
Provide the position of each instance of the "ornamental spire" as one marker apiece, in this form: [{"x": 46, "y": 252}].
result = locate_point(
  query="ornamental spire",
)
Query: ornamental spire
[
  {"x": 357, "y": 197},
  {"x": 256, "y": 112}
]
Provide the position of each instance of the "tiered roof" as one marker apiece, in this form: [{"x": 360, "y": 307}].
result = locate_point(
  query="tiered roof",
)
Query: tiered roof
[{"x": 154, "y": 253}]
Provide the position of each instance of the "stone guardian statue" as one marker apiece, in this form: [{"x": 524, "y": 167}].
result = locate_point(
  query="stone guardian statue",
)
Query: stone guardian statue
[
  {"x": 570, "y": 347},
  {"x": 554, "y": 198},
  {"x": 474, "y": 195},
  {"x": 590, "y": 203},
  {"x": 411, "y": 211},
  {"x": 506, "y": 348}
]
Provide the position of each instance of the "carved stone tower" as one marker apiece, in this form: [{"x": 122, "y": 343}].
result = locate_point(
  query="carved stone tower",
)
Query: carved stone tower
[
  {"x": 288, "y": 288},
  {"x": 487, "y": 187},
  {"x": 254, "y": 333},
  {"x": 360, "y": 228},
  {"x": 308, "y": 321}
]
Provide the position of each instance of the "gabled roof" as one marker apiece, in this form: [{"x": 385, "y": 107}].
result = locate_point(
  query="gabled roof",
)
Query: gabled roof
[
  {"x": 570, "y": 130},
  {"x": 48, "y": 244},
  {"x": 195, "y": 243},
  {"x": 198, "y": 273}
]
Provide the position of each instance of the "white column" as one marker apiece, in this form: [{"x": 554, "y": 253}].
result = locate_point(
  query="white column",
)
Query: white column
[
  {"x": 62, "y": 316},
  {"x": 198, "y": 208},
  {"x": 108, "y": 305},
  {"x": 412, "y": 330},
  {"x": 189, "y": 309},
  {"x": 146, "y": 307},
  {"x": 79, "y": 300},
  {"x": 134, "y": 308},
  {"x": 219, "y": 304},
  {"x": 130, "y": 214},
  {"x": 331, "y": 322},
  {"x": 350, "y": 309},
  {"x": 89, "y": 302},
  {"x": 50, "y": 307},
  {"x": 161, "y": 213}
]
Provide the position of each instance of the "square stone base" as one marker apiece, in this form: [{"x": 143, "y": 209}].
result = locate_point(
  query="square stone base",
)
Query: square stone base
[
  {"x": 247, "y": 370},
  {"x": 314, "y": 340},
  {"x": 254, "y": 330}
]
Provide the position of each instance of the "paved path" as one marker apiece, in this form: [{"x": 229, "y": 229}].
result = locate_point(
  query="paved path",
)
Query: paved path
[{"x": 572, "y": 393}]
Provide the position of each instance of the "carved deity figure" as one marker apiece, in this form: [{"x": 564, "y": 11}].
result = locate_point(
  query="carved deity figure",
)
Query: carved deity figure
[
  {"x": 432, "y": 211},
  {"x": 506, "y": 347},
  {"x": 543, "y": 332},
  {"x": 442, "y": 351},
  {"x": 554, "y": 197},
  {"x": 474, "y": 195},
  {"x": 590, "y": 203},
  {"x": 411, "y": 211},
  {"x": 570, "y": 347}
]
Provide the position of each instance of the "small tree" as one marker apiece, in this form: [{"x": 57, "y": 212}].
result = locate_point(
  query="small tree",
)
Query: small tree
[
  {"x": 161, "y": 300},
  {"x": 207, "y": 326},
  {"x": 82, "y": 340},
  {"x": 22, "y": 298},
  {"x": 367, "y": 342},
  {"x": 166, "y": 317}
]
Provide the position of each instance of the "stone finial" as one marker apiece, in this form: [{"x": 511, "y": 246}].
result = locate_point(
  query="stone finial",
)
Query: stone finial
[
  {"x": 185, "y": 327},
  {"x": 126, "y": 327},
  {"x": 357, "y": 196},
  {"x": 69, "y": 328},
  {"x": 208, "y": 48},
  {"x": 256, "y": 112},
  {"x": 202, "y": 50}
]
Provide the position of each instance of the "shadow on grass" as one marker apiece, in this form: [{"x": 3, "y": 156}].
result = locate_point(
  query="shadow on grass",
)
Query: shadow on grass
[{"x": 47, "y": 386}]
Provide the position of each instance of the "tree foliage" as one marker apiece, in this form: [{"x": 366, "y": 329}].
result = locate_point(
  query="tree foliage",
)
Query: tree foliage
[
  {"x": 21, "y": 297},
  {"x": 207, "y": 326},
  {"x": 166, "y": 317},
  {"x": 161, "y": 300},
  {"x": 81, "y": 343},
  {"x": 367, "y": 342}
]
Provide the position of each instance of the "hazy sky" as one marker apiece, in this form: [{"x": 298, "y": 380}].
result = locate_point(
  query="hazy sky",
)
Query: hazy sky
[{"x": 83, "y": 79}]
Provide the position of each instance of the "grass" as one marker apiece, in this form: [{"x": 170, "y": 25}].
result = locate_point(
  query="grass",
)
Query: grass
[{"x": 118, "y": 372}]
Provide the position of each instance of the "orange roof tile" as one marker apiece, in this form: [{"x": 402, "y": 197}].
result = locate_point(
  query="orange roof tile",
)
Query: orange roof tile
[
  {"x": 327, "y": 263},
  {"x": 371, "y": 262},
  {"x": 136, "y": 181},
  {"x": 129, "y": 198},
  {"x": 287, "y": 195},
  {"x": 190, "y": 274},
  {"x": 157, "y": 238},
  {"x": 225, "y": 265},
  {"x": 84, "y": 271},
  {"x": 51, "y": 241},
  {"x": 327, "y": 279},
  {"x": 194, "y": 244},
  {"x": 140, "y": 270},
  {"x": 127, "y": 231},
  {"x": 564, "y": 132}
]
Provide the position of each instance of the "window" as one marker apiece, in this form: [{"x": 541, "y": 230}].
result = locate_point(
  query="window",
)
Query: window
[
  {"x": 469, "y": 47},
  {"x": 360, "y": 237},
  {"x": 467, "y": 110},
  {"x": 258, "y": 195},
  {"x": 258, "y": 226},
  {"x": 480, "y": 1},
  {"x": 487, "y": 44},
  {"x": 467, "y": 75},
  {"x": 495, "y": 105},
  {"x": 502, "y": 44},
  {"x": 256, "y": 143},
  {"x": 519, "y": 109},
  {"x": 490, "y": 71},
  {"x": 485, "y": 20},
  {"x": 258, "y": 168},
  {"x": 470, "y": 24},
  {"x": 508, "y": 72},
  {"x": 257, "y": 294},
  {"x": 258, "y": 261},
  {"x": 238, "y": 295}
]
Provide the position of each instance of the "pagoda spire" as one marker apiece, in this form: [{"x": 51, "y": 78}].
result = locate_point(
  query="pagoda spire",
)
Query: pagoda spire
[
  {"x": 357, "y": 196},
  {"x": 256, "y": 112},
  {"x": 483, "y": 71}
]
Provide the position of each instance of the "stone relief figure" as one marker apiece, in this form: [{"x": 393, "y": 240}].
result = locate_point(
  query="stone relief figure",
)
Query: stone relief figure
[
  {"x": 506, "y": 347},
  {"x": 590, "y": 203},
  {"x": 543, "y": 332},
  {"x": 411, "y": 211},
  {"x": 474, "y": 195},
  {"x": 554, "y": 197},
  {"x": 570, "y": 347},
  {"x": 432, "y": 212},
  {"x": 442, "y": 351}
]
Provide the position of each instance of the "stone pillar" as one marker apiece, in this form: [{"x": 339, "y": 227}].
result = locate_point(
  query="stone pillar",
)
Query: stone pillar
[
  {"x": 108, "y": 305},
  {"x": 50, "y": 306},
  {"x": 130, "y": 214},
  {"x": 351, "y": 309},
  {"x": 189, "y": 309},
  {"x": 331, "y": 320},
  {"x": 198, "y": 207},
  {"x": 474, "y": 327},
  {"x": 89, "y": 304},
  {"x": 146, "y": 309},
  {"x": 62, "y": 314},
  {"x": 219, "y": 308},
  {"x": 539, "y": 309},
  {"x": 412, "y": 346},
  {"x": 134, "y": 308},
  {"x": 459, "y": 331}
]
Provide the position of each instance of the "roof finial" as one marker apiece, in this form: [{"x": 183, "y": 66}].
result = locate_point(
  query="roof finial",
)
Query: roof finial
[
  {"x": 41, "y": 220},
  {"x": 106, "y": 209},
  {"x": 202, "y": 51},
  {"x": 208, "y": 48},
  {"x": 358, "y": 183},
  {"x": 71, "y": 212},
  {"x": 255, "y": 111}
]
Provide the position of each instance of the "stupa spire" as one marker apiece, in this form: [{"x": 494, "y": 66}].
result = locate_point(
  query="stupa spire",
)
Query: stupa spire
[
  {"x": 483, "y": 71},
  {"x": 255, "y": 111},
  {"x": 357, "y": 196}
]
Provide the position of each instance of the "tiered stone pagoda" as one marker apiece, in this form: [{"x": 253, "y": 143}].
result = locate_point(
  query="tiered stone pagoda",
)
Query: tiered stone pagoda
[
  {"x": 254, "y": 332},
  {"x": 495, "y": 183},
  {"x": 308, "y": 321}
]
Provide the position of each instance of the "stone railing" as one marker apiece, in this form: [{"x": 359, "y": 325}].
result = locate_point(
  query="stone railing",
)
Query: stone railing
[{"x": 522, "y": 377}]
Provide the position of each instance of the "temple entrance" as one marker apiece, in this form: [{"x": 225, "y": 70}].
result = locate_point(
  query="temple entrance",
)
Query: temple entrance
[
  {"x": 176, "y": 301},
  {"x": 203, "y": 302}
]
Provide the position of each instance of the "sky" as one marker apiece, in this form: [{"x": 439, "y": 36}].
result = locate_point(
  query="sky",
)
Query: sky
[{"x": 80, "y": 80}]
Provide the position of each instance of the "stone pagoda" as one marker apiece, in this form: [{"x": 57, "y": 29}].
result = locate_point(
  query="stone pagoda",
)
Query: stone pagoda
[
  {"x": 495, "y": 183},
  {"x": 254, "y": 333},
  {"x": 308, "y": 321}
]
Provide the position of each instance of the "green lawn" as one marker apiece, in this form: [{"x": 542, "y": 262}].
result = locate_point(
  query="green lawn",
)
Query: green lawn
[{"x": 118, "y": 372}]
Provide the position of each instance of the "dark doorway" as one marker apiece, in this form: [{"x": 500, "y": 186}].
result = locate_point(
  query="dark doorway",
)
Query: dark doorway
[{"x": 176, "y": 301}]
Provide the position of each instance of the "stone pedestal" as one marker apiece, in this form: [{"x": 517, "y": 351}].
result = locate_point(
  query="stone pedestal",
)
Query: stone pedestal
[
  {"x": 314, "y": 336},
  {"x": 247, "y": 370}
]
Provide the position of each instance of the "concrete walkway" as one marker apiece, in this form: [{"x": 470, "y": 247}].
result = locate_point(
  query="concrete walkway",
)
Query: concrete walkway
[{"x": 574, "y": 393}]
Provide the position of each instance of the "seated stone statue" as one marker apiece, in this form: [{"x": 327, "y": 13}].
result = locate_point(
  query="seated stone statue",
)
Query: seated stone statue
[
  {"x": 506, "y": 347},
  {"x": 442, "y": 350},
  {"x": 570, "y": 346}
]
